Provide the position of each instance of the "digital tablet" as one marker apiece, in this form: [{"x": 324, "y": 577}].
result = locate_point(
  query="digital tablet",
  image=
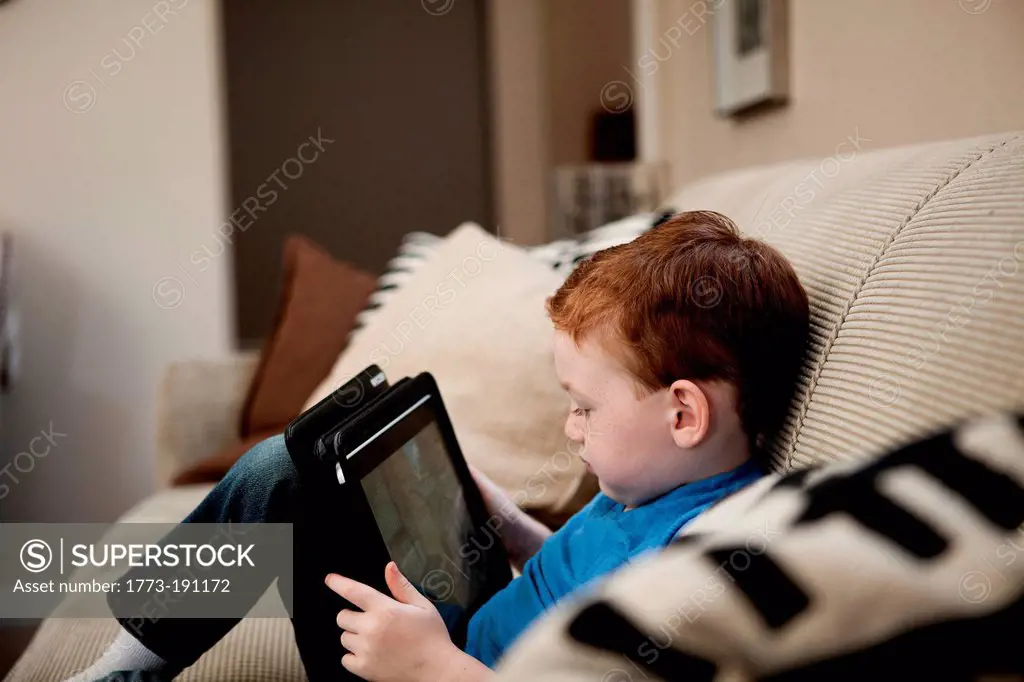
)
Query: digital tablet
[{"x": 401, "y": 457}]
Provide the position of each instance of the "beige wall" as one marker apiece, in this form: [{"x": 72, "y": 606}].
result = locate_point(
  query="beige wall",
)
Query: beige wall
[
  {"x": 588, "y": 42},
  {"x": 108, "y": 185},
  {"x": 550, "y": 60},
  {"x": 519, "y": 111},
  {"x": 897, "y": 72}
]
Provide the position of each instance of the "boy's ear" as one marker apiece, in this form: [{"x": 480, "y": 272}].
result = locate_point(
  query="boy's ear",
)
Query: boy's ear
[{"x": 691, "y": 413}]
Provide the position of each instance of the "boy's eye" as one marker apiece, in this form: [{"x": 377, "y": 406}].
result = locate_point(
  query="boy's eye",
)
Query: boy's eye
[{"x": 580, "y": 412}]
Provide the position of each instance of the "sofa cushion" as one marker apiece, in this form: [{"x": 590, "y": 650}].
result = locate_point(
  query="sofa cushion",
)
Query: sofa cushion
[
  {"x": 560, "y": 255},
  {"x": 319, "y": 303},
  {"x": 414, "y": 249},
  {"x": 256, "y": 648},
  {"x": 473, "y": 316},
  {"x": 912, "y": 259}
]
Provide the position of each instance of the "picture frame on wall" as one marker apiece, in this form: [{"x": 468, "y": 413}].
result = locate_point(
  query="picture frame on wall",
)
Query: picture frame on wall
[{"x": 751, "y": 54}]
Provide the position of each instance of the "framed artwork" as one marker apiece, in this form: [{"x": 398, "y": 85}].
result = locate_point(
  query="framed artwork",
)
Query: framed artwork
[{"x": 751, "y": 54}]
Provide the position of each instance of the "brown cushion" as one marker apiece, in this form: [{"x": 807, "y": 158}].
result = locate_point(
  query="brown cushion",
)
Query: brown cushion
[
  {"x": 320, "y": 300},
  {"x": 212, "y": 469}
]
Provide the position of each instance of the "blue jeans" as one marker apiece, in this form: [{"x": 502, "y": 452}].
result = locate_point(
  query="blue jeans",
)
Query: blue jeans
[{"x": 264, "y": 487}]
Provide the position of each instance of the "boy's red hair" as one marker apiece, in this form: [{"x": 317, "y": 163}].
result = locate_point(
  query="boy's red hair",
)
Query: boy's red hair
[{"x": 692, "y": 299}]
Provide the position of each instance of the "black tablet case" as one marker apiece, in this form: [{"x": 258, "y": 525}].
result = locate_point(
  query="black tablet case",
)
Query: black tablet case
[
  {"x": 336, "y": 531},
  {"x": 328, "y": 528}
]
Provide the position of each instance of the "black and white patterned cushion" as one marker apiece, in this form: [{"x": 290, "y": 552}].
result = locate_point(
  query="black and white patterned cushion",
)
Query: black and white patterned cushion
[{"x": 414, "y": 249}]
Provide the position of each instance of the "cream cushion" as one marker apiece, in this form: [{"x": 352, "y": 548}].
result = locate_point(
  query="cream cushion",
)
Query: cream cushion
[{"x": 473, "y": 316}]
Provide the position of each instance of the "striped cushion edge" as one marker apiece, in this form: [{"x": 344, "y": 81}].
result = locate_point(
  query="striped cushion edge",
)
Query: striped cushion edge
[{"x": 561, "y": 255}]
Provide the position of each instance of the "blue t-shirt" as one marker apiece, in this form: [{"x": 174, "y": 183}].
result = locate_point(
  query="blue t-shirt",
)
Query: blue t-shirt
[{"x": 598, "y": 539}]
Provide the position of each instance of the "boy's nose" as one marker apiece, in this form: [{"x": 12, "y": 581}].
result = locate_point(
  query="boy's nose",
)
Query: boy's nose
[{"x": 572, "y": 430}]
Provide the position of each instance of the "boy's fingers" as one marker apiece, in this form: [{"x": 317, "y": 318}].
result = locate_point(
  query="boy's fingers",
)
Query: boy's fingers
[
  {"x": 363, "y": 596},
  {"x": 352, "y": 642},
  {"x": 352, "y": 664},
  {"x": 403, "y": 590},
  {"x": 480, "y": 477},
  {"x": 350, "y": 620}
]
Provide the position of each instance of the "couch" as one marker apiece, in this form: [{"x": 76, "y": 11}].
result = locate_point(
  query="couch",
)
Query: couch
[{"x": 912, "y": 260}]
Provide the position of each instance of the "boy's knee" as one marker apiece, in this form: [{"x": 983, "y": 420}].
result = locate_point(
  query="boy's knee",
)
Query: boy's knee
[
  {"x": 259, "y": 488},
  {"x": 266, "y": 464},
  {"x": 264, "y": 471}
]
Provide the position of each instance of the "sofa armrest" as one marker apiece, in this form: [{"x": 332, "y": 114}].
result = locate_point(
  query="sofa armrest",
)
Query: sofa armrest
[{"x": 199, "y": 407}]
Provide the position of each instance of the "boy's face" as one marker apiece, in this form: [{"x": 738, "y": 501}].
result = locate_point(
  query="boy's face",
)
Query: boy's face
[{"x": 625, "y": 441}]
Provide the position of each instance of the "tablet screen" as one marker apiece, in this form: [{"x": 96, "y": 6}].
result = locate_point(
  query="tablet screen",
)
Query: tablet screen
[{"x": 417, "y": 501}]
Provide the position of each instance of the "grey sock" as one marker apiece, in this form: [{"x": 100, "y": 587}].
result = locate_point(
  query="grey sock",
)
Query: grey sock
[{"x": 125, "y": 653}]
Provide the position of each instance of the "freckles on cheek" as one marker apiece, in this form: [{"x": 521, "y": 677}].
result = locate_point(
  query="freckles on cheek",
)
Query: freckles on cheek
[
  {"x": 628, "y": 428},
  {"x": 600, "y": 432}
]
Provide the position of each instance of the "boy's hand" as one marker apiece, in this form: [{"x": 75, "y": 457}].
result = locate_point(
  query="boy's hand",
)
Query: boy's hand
[
  {"x": 392, "y": 640},
  {"x": 521, "y": 534},
  {"x": 495, "y": 497}
]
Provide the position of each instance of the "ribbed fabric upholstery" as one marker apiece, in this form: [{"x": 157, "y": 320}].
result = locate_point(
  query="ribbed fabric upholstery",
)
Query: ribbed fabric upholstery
[
  {"x": 912, "y": 259},
  {"x": 257, "y": 649}
]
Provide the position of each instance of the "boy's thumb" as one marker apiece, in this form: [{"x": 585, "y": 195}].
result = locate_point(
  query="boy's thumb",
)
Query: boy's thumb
[{"x": 401, "y": 589}]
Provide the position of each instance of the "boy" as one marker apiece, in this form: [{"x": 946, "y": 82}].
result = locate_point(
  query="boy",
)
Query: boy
[{"x": 678, "y": 352}]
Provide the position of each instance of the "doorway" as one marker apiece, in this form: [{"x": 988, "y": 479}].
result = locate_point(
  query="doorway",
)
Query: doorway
[{"x": 352, "y": 122}]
